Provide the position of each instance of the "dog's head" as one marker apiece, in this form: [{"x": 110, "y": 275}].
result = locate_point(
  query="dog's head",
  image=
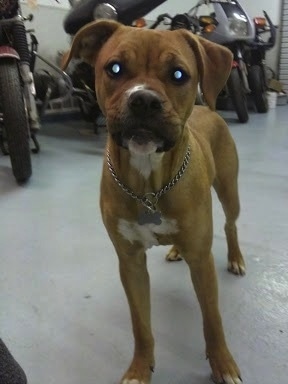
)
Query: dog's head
[{"x": 146, "y": 80}]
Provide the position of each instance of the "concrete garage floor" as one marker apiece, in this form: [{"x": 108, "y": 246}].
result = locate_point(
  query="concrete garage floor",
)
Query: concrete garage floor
[{"x": 63, "y": 311}]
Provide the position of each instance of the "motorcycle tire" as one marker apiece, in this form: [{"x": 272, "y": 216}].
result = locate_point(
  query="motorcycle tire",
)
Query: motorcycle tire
[
  {"x": 257, "y": 84},
  {"x": 15, "y": 119},
  {"x": 238, "y": 96}
]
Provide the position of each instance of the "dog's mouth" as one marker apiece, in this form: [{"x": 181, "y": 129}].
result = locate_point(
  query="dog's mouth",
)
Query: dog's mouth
[
  {"x": 140, "y": 136},
  {"x": 142, "y": 142}
]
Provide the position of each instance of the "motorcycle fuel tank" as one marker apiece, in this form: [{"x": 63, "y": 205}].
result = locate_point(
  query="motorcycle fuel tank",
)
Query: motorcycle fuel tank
[{"x": 126, "y": 12}]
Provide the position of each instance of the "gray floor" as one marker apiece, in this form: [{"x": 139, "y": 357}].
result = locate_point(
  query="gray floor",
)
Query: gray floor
[{"x": 63, "y": 312}]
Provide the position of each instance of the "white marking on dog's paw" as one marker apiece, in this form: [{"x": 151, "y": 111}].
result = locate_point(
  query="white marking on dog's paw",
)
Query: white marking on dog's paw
[
  {"x": 133, "y": 381},
  {"x": 227, "y": 379},
  {"x": 173, "y": 255},
  {"x": 230, "y": 380},
  {"x": 236, "y": 268}
]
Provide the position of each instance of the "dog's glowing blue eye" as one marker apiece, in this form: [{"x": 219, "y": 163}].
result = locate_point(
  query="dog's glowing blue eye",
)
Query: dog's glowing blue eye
[
  {"x": 179, "y": 75},
  {"x": 114, "y": 69}
]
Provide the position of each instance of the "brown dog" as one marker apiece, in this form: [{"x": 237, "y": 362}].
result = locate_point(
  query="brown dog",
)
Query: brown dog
[{"x": 163, "y": 156}]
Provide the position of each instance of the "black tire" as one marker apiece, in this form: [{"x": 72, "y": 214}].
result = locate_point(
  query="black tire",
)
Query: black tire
[
  {"x": 257, "y": 84},
  {"x": 15, "y": 119},
  {"x": 238, "y": 96}
]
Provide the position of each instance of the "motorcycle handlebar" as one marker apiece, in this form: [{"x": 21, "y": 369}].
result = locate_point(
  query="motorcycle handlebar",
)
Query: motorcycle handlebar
[
  {"x": 271, "y": 41},
  {"x": 159, "y": 20},
  {"x": 272, "y": 28}
]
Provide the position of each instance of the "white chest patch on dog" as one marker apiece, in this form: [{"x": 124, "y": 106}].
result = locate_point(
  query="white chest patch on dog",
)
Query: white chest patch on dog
[
  {"x": 145, "y": 164},
  {"x": 147, "y": 233}
]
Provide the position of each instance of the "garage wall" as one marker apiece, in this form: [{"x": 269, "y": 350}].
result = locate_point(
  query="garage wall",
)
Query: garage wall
[{"x": 49, "y": 17}]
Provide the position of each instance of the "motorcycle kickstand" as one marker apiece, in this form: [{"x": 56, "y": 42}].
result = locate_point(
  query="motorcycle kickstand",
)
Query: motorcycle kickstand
[
  {"x": 36, "y": 149},
  {"x": 3, "y": 146}
]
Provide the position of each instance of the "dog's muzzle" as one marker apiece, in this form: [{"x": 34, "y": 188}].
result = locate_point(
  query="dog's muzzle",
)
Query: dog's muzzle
[{"x": 143, "y": 124}]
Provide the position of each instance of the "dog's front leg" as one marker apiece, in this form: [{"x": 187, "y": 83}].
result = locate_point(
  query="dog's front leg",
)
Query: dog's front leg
[
  {"x": 224, "y": 368},
  {"x": 135, "y": 280}
]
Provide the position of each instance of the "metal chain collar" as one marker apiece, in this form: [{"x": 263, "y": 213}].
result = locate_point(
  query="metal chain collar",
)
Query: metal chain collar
[{"x": 150, "y": 199}]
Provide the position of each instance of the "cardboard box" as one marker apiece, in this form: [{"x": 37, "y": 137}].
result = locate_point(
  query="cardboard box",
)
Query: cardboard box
[{"x": 275, "y": 85}]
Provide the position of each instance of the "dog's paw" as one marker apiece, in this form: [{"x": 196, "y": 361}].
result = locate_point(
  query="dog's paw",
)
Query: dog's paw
[
  {"x": 236, "y": 268},
  {"x": 173, "y": 255},
  {"x": 224, "y": 369},
  {"x": 236, "y": 263},
  {"x": 227, "y": 379},
  {"x": 138, "y": 373}
]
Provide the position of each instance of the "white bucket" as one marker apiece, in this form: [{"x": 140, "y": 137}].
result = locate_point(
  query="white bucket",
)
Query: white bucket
[{"x": 272, "y": 99}]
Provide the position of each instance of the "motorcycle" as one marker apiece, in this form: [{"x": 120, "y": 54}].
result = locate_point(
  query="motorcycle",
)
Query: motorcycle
[
  {"x": 18, "y": 112},
  {"x": 254, "y": 57},
  {"x": 225, "y": 22},
  {"x": 83, "y": 12}
]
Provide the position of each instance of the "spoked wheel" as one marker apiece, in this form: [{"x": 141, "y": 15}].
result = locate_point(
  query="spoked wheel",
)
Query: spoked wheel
[
  {"x": 238, "y": 95},
  {"x": 257, "y": 83},
  {"x": 15, "y": 119}
]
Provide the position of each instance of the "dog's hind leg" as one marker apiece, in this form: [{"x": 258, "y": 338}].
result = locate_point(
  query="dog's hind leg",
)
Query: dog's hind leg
[{"x": 226, "y": 187}]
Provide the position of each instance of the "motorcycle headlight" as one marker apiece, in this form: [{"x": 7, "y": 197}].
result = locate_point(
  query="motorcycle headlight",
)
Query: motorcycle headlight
[
  {"x": 8, "y": 8},
  {"x": 238, "y": 25},
  {"x": 105, "y": 11}
]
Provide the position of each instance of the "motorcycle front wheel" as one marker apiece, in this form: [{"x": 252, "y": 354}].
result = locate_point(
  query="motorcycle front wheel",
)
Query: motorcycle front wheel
[
  {"x": 257, "y": 84},
  {"x": 15, "y": 119},
  {"x": 238, "y": 96}
]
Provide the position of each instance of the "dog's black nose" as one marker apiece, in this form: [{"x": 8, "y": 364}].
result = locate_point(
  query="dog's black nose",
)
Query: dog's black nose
[{"x": 144, "y": 102}]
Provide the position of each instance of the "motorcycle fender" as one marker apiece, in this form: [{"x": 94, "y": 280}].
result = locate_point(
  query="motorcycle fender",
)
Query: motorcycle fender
[{"x": 6, "y": 51}]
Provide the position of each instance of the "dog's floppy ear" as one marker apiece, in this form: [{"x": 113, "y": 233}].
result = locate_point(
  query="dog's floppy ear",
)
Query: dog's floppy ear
[
  {"x": 214, "y": 65},
  {"x": 88, "y": 40}
]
